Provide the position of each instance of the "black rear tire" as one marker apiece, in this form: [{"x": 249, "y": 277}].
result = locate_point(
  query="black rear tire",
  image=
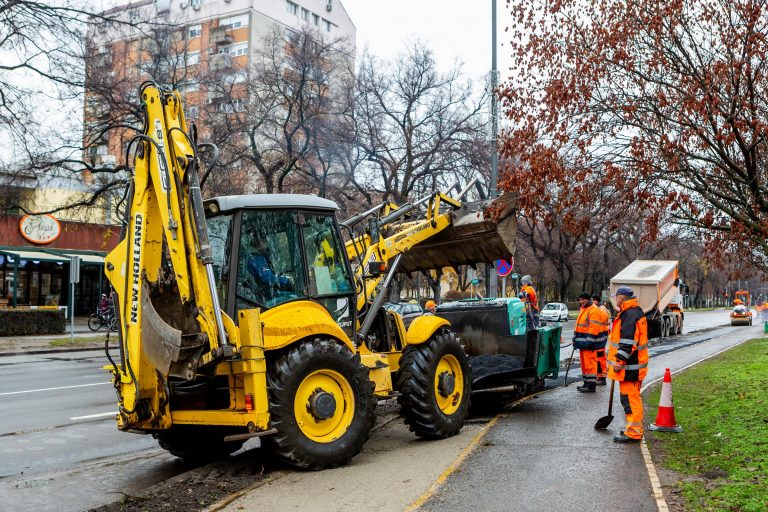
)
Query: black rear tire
[
  {"x": 293, "y": 368},
  {"x": 416, "y": 381},
  {"x": 196, "y": 443}
]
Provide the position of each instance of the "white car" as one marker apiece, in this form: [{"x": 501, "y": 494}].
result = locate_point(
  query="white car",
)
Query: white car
[{"x": 555, "y": 312}]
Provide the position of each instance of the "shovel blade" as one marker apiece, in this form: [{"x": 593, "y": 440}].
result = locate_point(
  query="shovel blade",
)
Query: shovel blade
[{"x": 603, "y": 422}]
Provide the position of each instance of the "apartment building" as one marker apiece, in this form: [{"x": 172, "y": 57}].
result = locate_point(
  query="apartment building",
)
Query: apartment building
[{"x": 192, "y": 41}]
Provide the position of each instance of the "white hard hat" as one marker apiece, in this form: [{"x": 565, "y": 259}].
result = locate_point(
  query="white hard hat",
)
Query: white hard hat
[{"x": 526, "y": 279}]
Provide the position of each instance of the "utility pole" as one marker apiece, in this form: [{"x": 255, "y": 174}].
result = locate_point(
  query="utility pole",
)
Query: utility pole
[{"x": 491, "y": 278}]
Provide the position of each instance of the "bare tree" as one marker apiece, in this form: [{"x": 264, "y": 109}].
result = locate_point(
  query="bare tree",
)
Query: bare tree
[{"x": 416, "y": 127}]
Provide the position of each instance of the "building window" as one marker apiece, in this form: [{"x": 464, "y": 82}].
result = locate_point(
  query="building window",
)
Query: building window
[
  {"x": 292, "y": 8},
  {"x": 193, "y": 58},
  {"x": 192, "y": 112},
  {"x": 195, "y": 3},
  {"x": 305, "y": 14},
  {"x": 234, "y": 22},
  {"x": 235, "y": 50},
  {"x": 316, "y": 19},
  {"x": 195, "y": 31},
  {"x": 327, "y": 25}
]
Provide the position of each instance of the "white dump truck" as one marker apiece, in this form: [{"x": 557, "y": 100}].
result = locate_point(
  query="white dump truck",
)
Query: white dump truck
[{"x": 659, "y": 291}]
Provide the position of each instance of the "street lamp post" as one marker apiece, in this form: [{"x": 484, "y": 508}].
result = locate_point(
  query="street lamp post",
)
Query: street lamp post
[{"x": 491, "y": 277}]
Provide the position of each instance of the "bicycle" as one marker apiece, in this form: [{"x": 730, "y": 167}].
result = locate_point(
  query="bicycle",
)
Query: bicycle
[{"x": 102, "y": 319}]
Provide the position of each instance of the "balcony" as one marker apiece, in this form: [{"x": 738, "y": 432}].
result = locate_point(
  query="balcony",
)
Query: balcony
[
  {"x": 219, "y": 36},
  {"x": 220, "y": 61}
]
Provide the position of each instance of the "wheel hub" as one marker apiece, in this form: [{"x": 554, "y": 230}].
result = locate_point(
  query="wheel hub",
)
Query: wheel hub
[
  {"x": 322, "y": 405},
  {"x": 446, "y": 383}
]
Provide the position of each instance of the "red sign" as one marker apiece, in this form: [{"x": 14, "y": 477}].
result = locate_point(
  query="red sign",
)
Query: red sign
[
  {"x": 504, "y": 267},
  {"x": 40, "y": 229}
]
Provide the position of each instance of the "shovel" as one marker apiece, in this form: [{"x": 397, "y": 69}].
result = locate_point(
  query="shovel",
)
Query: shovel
[
  {"x": 568, "y": 367},
  {"x": 603, "y": 422}
]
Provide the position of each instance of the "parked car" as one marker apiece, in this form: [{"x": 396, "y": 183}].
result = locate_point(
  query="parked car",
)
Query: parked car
[
  {"x": 407, "y": 310},
  {"x": 555, "y": 312}
]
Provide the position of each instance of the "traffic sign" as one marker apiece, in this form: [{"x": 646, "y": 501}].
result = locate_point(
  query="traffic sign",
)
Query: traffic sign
[
  {"x": 515, "y": 276},
  {"x": 504, "y": 267}
]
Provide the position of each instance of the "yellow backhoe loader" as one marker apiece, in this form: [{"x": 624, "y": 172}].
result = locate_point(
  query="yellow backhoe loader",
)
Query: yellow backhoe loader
[{"x": 241, "y": 316}]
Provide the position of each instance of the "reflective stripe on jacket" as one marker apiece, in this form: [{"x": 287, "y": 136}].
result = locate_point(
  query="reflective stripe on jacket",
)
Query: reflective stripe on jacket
[
  {"x": 628, "y": 343},
  {"x": 586, "y": 336},
  {"x": 604, "y": 319}
]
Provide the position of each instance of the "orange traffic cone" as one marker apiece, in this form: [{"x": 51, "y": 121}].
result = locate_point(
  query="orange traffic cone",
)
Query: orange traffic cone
[{"x": 665, "y": 419}]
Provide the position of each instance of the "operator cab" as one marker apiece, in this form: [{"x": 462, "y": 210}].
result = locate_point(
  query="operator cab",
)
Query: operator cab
[{"x": 270, "y": 249}]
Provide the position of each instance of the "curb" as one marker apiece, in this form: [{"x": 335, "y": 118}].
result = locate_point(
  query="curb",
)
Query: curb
[{"x": 52, "y": 351}]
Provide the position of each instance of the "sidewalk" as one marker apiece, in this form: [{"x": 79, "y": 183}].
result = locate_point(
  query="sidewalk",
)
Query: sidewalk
[{"x": 84, "y": 339}]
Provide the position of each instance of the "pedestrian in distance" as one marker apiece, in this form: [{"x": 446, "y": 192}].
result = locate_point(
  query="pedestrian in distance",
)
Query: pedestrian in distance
[
  {"x": 628, "y": 361},
  {"x": 429, "y": 308},
  {"x": 586, "y": 340},
  {"x": 605, "y": 321},
  {"x": 530, "y": 298}
]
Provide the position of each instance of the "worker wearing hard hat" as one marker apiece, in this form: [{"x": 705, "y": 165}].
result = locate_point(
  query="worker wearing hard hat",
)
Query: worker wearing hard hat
[
  {"x": 429, "y": 308},
  {"x": 605, "y": 328},
  {"x": 628, "y": 361},
  {"x": 585, "y": 338},
  {"x": 530, "y": 298}
]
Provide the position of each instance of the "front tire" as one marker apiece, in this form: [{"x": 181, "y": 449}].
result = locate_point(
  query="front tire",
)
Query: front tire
[
  {"x": 435, "y": 384},
  {"x": 322, "y": 405}
]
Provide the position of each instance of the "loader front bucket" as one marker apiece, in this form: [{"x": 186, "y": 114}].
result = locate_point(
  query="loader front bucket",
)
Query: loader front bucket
[{"x": 481, "y": 232}]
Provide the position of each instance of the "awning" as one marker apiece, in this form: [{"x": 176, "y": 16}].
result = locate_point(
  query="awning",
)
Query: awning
[
  {"x": 34, "y": 256},
  {"x": 59, "y": 257},
  {"x": 88, "y": 258}
]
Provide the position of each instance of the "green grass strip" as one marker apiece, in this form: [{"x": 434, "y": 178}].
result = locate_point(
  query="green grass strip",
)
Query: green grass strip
[
  {"x": 722, "y": 454},
  {"x": 65, "y": 342}
]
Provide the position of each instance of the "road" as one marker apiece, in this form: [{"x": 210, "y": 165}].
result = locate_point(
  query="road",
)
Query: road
[{"x": 61, "y": 451}]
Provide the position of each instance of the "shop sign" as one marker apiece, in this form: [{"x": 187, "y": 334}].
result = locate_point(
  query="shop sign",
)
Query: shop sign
[{"x": 40, "y": 229}]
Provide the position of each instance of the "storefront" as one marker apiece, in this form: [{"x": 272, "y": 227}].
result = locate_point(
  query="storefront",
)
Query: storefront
[{"x": 37, "y": 274}]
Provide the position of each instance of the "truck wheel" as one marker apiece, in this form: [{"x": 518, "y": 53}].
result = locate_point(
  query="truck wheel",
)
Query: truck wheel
[
  {"x": 195, "y": 443},
  {"x": 321, "y": 403},
  {"x": 435, "y": 384}
]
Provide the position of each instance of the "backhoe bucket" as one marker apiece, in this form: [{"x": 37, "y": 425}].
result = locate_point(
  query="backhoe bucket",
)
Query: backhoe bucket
[{"x": 481, "y": 232}]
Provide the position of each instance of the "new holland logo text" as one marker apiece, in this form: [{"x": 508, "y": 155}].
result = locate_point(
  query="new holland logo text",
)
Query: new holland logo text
[{"x": 138, "y": 226}]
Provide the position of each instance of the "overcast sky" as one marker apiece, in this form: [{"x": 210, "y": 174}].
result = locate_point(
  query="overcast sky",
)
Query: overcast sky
[{"x": 454, "y": 29}]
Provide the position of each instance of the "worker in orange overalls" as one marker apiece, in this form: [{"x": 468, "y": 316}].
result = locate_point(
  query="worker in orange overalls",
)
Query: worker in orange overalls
[
  {"x": 628, "y": 361},
  {"x": 605, "y": 324},
  {"x": 530, "y": 298},
  {"x": 586, "y": 339}
]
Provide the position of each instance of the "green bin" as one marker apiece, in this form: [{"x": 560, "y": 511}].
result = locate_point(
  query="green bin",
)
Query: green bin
[{"x": 548, "y": 361}]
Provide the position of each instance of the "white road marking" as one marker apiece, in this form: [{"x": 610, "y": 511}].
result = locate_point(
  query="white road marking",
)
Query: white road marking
[
  {"x": 90, "y": 416},
  {"x": 54, "y": 389}
]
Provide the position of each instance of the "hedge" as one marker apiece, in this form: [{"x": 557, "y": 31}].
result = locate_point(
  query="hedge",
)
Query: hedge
[{"x": 27, "y": 322}]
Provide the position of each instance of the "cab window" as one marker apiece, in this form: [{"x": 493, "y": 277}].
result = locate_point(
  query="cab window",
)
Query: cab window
[
  {"x": 270, "y": 269},
  {"x": 328, "y": 273},
  {"x": 219, "y": 235}
]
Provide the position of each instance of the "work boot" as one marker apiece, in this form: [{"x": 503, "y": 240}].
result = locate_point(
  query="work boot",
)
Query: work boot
[
  {"x": 587, "y": 387},
  {"x": 623, "y": 439},
  {"x": 601, "y": 381}
]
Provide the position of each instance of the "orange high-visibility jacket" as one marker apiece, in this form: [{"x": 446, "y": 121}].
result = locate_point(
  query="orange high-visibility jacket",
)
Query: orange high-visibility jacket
[
  {"x": 628, "y": 343},
  {"x": 530, "y": 296},
  {"x": 604, "y": 317},
  {"x": 586, "y": 335}
]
